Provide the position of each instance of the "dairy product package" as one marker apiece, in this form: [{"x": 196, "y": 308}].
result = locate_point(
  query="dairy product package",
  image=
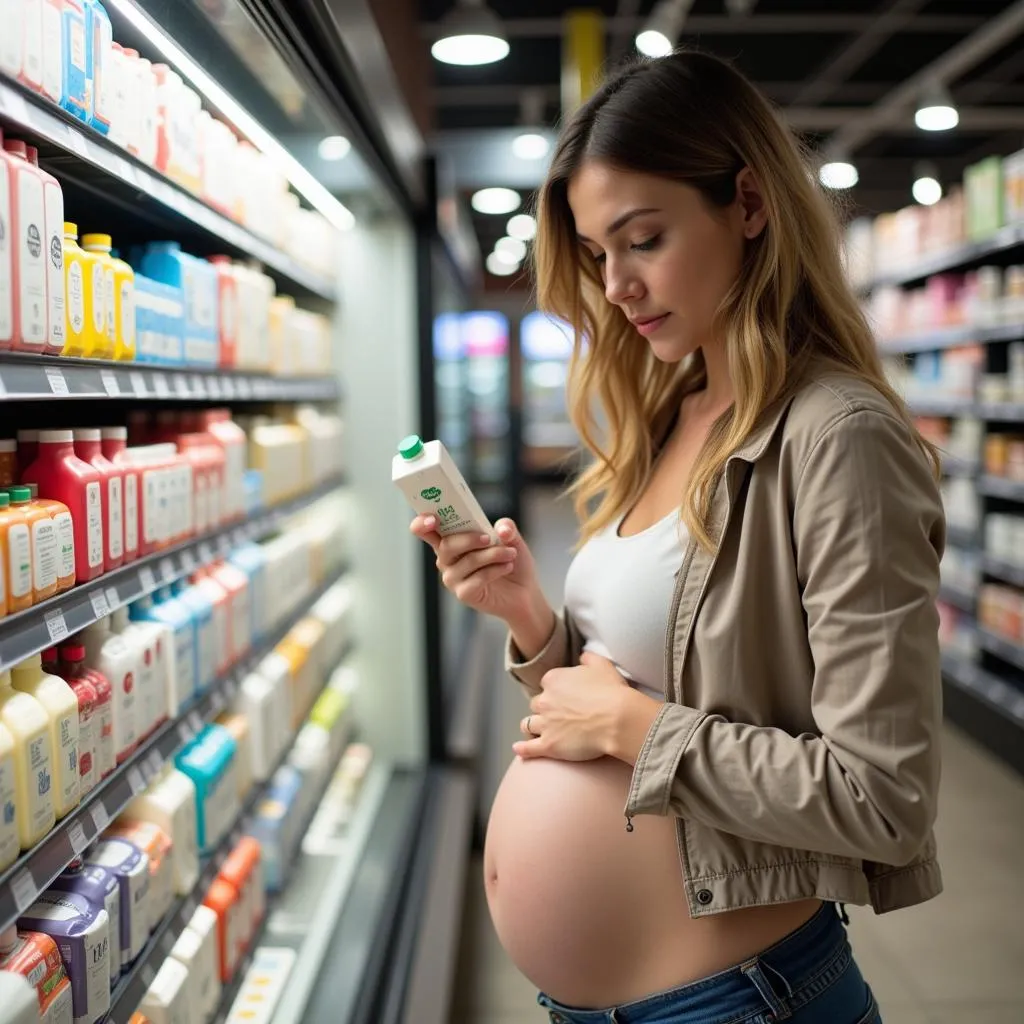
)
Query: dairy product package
[
  {"x": 130, "y": 866},
  {"x": 101, "y": 888}
]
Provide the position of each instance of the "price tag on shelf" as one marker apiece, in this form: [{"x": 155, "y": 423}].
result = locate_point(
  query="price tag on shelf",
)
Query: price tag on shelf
[
  {"x": 100, "y": 607},
  {"x": 188, "y": 560},
  {"x": 138, "y": 385},
  {"x": 146, "y": 579},
  {"x": 77, "y": 141},
  {"x": 100, "y": 818},
  {"x": 228, "y": 387},
  {"x": 185, "y": 731},
  {"x": 198, "y": 385},
  {"x": 206, "y": 551},
  {"x": 110, "y": 384},
  {"x": 155, "y": 762},
  {"x": 167, "y": 569},
  {"x": 244, "y": 388},
  {"x": 56, "y": 626},
  {"x": 77, "y": 836},
  {"x": 181, "y": 387},
  {"x": 213, "y": 387},
  {"x": 57, "y": 380},
  {"x": 24, "y": 890},
  {"x": 195, "y": 720},
  {"x": 14, "y": 104},
  {"x": 160, "y": 388},
  {"x": 135, "y": 781},
  {"x": 113, "y": 601}
]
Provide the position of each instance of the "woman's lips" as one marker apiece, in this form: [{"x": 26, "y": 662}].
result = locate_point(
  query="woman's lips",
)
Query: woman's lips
[{"x": 646, "y": 327}]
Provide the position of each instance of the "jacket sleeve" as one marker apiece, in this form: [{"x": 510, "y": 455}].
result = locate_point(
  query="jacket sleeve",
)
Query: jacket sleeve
[
  {"x": 562, "y": 650},
  {"x": 868, "y": 532}
]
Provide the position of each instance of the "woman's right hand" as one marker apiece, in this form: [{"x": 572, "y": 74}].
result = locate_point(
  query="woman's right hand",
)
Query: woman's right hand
[{"x": 496, "y": 579}]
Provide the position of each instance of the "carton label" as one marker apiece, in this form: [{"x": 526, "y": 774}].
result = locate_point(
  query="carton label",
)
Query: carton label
[
  {"x": 19, "y": 560},
  {"x": 67, "y": 730},
  {"x": 31, "y": 258},
  {"x": 55, "y": 258},
  {"x": 66, "y": 541},
  {"x": 131, "y": 512},
  {"x": 76, "y": 298},
  {"x": 6, "y": 257},
  {"x": 115, "y": 510},
  {"x": 94, "y": 524},
  {"x": 8, "y": 817},
  {"x": 99, "y": 300},
  {"x": 41, "y": 807},
  {"x": 108, "y": 296},
  {"x": 45, "y": 553}
]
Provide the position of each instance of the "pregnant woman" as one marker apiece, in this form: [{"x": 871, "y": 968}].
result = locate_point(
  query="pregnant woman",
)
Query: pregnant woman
[{"x": 733, "y": 724}]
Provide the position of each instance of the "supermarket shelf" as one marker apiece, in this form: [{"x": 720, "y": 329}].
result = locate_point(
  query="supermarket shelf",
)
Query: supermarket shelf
[
  {"x": 132, "y": 182},
  {"x": 128, "y": 993},
  {"x": 949, "y": 337},
  {"x": 1004, "y": 571},
  {"x": 999, "y": 487},
  {"x": 961, "y": 537},
  {"x": 952, "y": 466},
  {"x": 962, "y": 599},
  {"x": 941, "y": 407},
  {"x": 1006, "y": 238},
  {"x": 26, "y": 377},
  {"x": 1010, "y": 412},
  {"x": 33, "y": 872},
  {"x": 51, "y": 621},
  {"x": 998, "y": 695},
  {"x": 1001, "y": 648}
]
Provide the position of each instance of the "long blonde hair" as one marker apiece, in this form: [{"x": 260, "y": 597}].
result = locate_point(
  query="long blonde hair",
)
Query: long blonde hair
[{"x": 693, "y": 118}]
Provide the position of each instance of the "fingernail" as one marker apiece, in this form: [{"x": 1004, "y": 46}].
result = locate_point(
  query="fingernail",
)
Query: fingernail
[
  {"x": 485, "y": 538},
  {"x": 429, "y": 522}
]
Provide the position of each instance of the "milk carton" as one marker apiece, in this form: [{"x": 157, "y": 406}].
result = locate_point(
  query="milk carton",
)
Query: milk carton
[{"x": 101, "y": 888}]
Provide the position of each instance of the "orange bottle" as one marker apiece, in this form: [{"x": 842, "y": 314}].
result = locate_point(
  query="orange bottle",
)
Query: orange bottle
[
  {"x": 44, "y": 542},
  {"x": 61, "y": 517},
  {"x": 17, "y": 542},
  {"x": 222, "y": 899}
]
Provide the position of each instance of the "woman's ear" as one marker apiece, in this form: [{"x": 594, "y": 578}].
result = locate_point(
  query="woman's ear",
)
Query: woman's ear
[{"x": 751, "y": 203}]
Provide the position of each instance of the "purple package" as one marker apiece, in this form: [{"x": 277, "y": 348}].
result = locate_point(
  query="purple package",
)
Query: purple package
[
  {"x": 131, "y": 867},
  {"x": 82, "y": 934},
  {"x": 102, "y": 889}
]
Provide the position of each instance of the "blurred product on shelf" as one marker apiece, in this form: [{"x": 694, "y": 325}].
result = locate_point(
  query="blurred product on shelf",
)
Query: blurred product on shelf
[
  {"x": 1004, "y": 455},
  {"x": 961, "y": 570},
  {"x": 1001, "y": 609},
  {"x": 35, "y": 957},
  {"x": 197, "y": 950},
  {"x": 130, "y": 866},
  {"x": 1004, "y": 537},
  {"x": 157, "y": 846},
  {"x": 100, "y": 888}
]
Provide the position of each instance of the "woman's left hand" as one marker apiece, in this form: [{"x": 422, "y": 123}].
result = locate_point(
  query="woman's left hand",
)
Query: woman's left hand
[{"x": 578, "y": 713}]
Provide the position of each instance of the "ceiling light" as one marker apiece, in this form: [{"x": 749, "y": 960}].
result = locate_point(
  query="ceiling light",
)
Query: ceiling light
[
  {"x": 495, "y": 200},
  {"x": 927, "y": 189},
  {"x": 530, "y": 146},
  {"x": 513, "y": 248},
  {"x": 653, "y": 44},
  {"x": 838, "y": 174},
  {"x": 470, "y": 33},
  {"x": 334, "y": 147},
  {"x": 499, "y": 266},
  {"x": 300, "y": 179},
  {"x": 523, "y": 226},
  {"x": 936, "y": 112},
  {"x": 662, "y": 28}
]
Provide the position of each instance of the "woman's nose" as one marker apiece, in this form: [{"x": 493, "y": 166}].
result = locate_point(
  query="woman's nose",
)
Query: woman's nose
[{"x": 619, "y": 286}]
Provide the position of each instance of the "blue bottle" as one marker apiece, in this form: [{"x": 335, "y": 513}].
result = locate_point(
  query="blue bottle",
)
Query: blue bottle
[
  {"x": 77, "y": 73},
  {"x": 100, "y": 90},
  {"x": 171, "y": 612},
  {"x": 207, "y": 655},
  {"x": 252, "y": 561}
]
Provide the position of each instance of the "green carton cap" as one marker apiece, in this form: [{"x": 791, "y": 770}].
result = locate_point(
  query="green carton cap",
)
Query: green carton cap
[
  {"x": 411, "y": 446},
  {"x": 20, "y": 494}
]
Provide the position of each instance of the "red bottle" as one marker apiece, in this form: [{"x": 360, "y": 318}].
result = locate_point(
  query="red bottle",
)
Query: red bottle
[
  {"x": 114, "y": 441},
  {"x": 63, "y": 476},
  {"x": 88, "y": 449},
  {"x": 73, "y": 669}
]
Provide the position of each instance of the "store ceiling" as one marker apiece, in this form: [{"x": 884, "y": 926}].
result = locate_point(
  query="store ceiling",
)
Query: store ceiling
[{"x": 833, "y": 66}]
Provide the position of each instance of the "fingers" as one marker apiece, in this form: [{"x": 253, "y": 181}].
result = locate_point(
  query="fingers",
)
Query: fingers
[
  {"x": 425, "y": 527},
  {"x": 472, "y": 588},
  {"x": 468, "y": 565},
  {"x": 531, "y": 726},
  {"x": 459, "y": 545},
  {"x": 527, "y": 749}
]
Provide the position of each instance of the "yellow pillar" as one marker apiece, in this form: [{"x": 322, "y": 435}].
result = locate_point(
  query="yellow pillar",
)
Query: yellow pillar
[{"x": 582, "y": 57}]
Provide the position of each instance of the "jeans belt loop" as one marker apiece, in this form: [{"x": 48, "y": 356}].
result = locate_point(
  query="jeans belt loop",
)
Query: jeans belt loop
[{"x": 754, "y": 972}]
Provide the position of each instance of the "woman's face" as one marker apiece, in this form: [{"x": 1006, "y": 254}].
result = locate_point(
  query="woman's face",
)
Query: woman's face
[{"x": 665, "y": 259}]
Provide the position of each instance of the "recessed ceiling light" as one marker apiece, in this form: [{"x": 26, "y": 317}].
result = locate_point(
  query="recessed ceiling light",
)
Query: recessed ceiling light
[
  {"x": 838, "y": 174},
  {"x": 495, "y": 200},
  {"x": 513, "y": 248},
  {"x": 653, "y": 44},
  {"x": 523, "y": 226},
  {"x": 334, "y": 147},
  {"x": 530, "y": 146},
  {"x": 470, "y": 33},
  {"x": 500, "y": 267}
]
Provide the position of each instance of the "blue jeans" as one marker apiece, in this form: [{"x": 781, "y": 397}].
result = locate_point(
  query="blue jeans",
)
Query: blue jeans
[{"x": 810, "y": 977}]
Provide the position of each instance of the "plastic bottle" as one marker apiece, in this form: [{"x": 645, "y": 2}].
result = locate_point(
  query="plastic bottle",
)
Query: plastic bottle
[
  {"x": 53, "y": 253},
  {"x": 80, "y": 330},
  {"x": 88, "y": 447},
  {"x": 9, "y": 842},
  {"x": 112, "y": 657},
  {"x": 217, "y": 595},
  {"x": 170, "y": 803},
  {"x": 63, "y": 476},
  {"x": 227, "y": 299},
  {"x": 103, "y": 282},
  {"x": 17, "y": 542},
  {"x": 99, "y": 39},
  {"x": 61, "y": 517},
  {"x": 103, "y": 890},
  {"x": 232, "y": 439},
  {"x": 152, "y": 644},
  {"x": 28, "y": 229},
  {"x": 72, "y": 670},
  {"x": 236, "y": 583},
  {"x": 73, "y": 665},
  {"x": 75, "y": 93},
  {"x": 168, "y": 611},
  {"x": 124, "y": 308},
  {"x": 113, "y": 442},
  {"x": 28, "y": 724},
  {"x": 45, "y": 543},
  {"x": 61, "y": 706},
  {"x": 201, "y": 608}
]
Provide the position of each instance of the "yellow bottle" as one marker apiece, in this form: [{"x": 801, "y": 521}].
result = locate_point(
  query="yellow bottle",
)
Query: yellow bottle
[
  {"x": 103, "y": 292},
  {"x": 61, "y": 707},
  {"x": 124, "y": 309},
  {"x": 28, "y": 724},
  {"x": 81, "y": 328}
]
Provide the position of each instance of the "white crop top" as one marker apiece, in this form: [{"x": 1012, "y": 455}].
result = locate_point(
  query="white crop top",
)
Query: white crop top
[{"x": 619, "y": 591}]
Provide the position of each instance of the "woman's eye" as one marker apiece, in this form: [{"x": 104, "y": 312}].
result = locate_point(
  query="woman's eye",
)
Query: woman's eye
[
  {"x": 599, "y": 258},
  {"x": 648, "y": 245}
]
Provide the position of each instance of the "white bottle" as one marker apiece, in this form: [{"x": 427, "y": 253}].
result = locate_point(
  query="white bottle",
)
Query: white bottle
[
  {"x": 114, "y": 658},
  {"x": 200, "y": 960},
  {"x": 151, "y": 646},
  {"x": 168, "y": 999},
  {"x": 12, "y": 40},
  {"x": 433, "y": 485},
  {"x": 170, "y": 802},
  {"x": 32, "y": 55},
  {"x": 61, "y": 706},
  {"x": 53, "y": 54},
  {"x": 257, "y": 700}
]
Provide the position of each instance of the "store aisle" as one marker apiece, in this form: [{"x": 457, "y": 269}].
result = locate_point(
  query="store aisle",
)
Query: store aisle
[{"x": 955, "y": 959}]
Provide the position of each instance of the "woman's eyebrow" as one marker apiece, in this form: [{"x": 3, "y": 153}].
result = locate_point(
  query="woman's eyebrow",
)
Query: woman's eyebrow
[{"x": 622, "y": 221}]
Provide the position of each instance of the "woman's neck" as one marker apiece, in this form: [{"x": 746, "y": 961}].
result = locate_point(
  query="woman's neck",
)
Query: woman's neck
[{"x": 717, "y": 393}]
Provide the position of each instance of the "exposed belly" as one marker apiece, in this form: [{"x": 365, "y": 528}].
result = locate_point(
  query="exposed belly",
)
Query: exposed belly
[{"x": 596, "y": 916}]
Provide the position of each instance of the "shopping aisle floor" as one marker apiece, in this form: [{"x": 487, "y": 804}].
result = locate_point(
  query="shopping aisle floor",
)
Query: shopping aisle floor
[{"x": 957, "y": 959}]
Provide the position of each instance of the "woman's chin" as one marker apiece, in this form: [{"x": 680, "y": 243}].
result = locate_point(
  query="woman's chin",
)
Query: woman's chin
[{"x": 671, "y": 350}]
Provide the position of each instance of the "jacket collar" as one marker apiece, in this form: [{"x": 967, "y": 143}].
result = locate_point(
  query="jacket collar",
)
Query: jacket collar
[{"x": 761, "y": 436}]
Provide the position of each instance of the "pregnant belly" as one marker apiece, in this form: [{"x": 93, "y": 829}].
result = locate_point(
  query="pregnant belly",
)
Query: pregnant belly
[{"x": 593, "y": 915}]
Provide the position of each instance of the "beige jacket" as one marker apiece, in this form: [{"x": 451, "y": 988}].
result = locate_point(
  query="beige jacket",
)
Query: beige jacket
[{"x": 798, "y": 746}]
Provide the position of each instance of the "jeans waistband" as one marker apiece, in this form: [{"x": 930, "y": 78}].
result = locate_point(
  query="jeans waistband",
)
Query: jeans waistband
[{"x": 792, "y": 962}]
